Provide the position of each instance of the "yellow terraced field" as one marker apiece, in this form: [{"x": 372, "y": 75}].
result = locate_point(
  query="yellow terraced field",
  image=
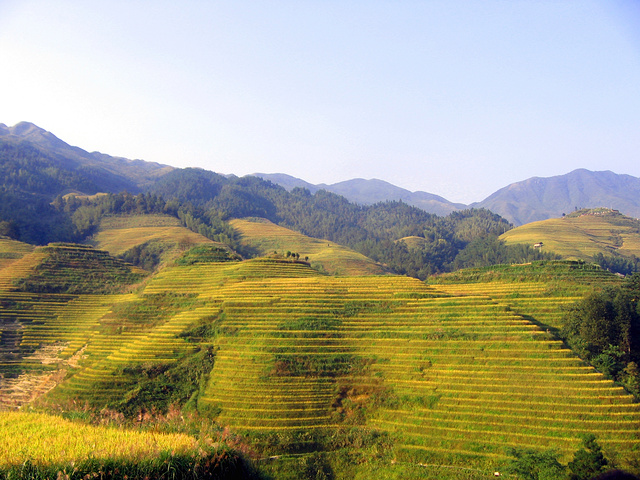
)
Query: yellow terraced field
[
  {"x": 454, "y": 372},
  {"x": 118, "y": 234},
  {"x": 581, "y": 237},
  {"x": 12, "y": 250},
  {"x": 266, "y": 237}
]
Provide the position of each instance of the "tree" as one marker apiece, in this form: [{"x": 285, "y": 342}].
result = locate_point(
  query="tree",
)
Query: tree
[
  {"x": 589, "y": 461},
  {"x": 534, "y": 465},
  {"x": 9, "y": 229}
]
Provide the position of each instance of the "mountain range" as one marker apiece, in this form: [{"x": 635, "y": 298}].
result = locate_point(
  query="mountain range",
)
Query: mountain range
[
  {"x": 530, "y": 200},
  {"x": 534, "y": 199},
  {"x": 132, "y": 175}
]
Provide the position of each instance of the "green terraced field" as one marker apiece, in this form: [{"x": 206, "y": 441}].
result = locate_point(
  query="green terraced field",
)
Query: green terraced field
[{"x": 453, "y": 373}]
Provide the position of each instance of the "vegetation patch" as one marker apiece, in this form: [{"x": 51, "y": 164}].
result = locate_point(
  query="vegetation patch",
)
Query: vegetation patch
[
  {"x": 147, "y": 312},
  {"x": 604, "y": 328},
  {"x": 574, "y": 271},
  {"x": 287, "y": 364},
  {"x": 157, "y": 387},
  {"x": 207, "y": 254},
  {"x": 147, "y": 255},
  {"x": 207, "y": 329},
  {"x": 588, "y": 462},
  {"x": 309, "y": 327},
  {"x": 70, "y": 268}
]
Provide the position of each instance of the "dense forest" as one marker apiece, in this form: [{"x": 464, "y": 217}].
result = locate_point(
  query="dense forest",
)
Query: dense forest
[{"x": 461, "y": 239}]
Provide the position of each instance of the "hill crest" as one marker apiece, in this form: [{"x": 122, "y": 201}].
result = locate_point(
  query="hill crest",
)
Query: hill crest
[{"x": 139, "y": 172}]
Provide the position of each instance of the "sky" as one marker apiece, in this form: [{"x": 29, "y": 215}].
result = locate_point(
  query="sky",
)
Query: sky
[{"x": 456, "y": 98}]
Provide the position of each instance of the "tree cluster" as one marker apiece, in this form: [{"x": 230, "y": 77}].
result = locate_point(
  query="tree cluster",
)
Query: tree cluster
[
  {"x": 588, "y": 462},
  {"x": 604, "y": 328},
  {"x": 618, "y": 263}
]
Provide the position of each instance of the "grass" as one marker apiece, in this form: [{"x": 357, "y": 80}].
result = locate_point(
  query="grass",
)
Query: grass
[{"x": 31, "y": 450}]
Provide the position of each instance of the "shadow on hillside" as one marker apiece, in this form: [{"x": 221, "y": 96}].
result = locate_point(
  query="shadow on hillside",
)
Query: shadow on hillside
[{"x": 547, "y": 328}]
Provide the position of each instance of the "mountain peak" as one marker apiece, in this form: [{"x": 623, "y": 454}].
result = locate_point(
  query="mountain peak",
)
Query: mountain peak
[
  {"x": 539, "y": 198},
  {"x": 34, "y": 134},
  {"x": 368, "y": 192}
]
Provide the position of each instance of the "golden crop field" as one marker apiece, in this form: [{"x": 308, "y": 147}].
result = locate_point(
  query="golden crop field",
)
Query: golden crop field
[
  {"x": 117, "y": 234},
  {"x": 451, "y": 373},
  {"x": 39, "y": 437},
  {"x": 580, "y": 237},
  {"x": 266, "y": 237}
]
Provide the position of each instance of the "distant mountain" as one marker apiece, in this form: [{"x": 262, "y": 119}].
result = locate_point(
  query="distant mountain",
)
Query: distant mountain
[
  {"x": 36, "y": 167},
  {"x": 53, "y": 167},
  {"x": 542, "y": 198},
  {"x": 289, "y": 182},
  {"x": 368, "y": 192},
  {"x": 117, "y": 173}
]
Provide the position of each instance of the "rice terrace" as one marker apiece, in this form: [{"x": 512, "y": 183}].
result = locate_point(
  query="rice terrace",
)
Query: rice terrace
[
  {"x": 222, "y": 327},
  {"x": 349, "y": 374}
]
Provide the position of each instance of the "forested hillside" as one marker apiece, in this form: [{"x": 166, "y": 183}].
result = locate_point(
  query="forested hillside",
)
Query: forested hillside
[
  {"x": 34, "y": 210},
  {"x": 47, "y": 187},
  {"x": 374, "y": 230}
]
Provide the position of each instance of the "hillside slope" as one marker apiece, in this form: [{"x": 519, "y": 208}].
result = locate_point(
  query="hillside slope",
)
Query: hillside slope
[
  {"x": 131, "y": 174},
  {"x": 276, "y": 350},
  {"x": 582, "y": 235},
  {"x": 262, "y": 237},
  {"x": 146, "y": 240}
]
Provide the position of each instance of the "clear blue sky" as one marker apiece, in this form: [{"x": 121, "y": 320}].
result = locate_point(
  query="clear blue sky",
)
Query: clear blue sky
[{"x": 457, "y": 98}]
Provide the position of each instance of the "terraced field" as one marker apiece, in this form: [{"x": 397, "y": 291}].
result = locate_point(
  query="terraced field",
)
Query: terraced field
[
  {"x": 43, "y": 334},
  {"x": 12, "y": 250},
  {"x": 117, "y": 234},
  {"x": 581, "y": 236},
  {"x": 263, "y": 237},
  {"x": 453, "y": 372}
]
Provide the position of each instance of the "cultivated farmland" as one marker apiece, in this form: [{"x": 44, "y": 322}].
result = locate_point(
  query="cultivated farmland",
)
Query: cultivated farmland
[
  {"x": 452, "y": 373},
  {"x": 582, "y": 234},
  {"x": 262, "y": 237}
]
